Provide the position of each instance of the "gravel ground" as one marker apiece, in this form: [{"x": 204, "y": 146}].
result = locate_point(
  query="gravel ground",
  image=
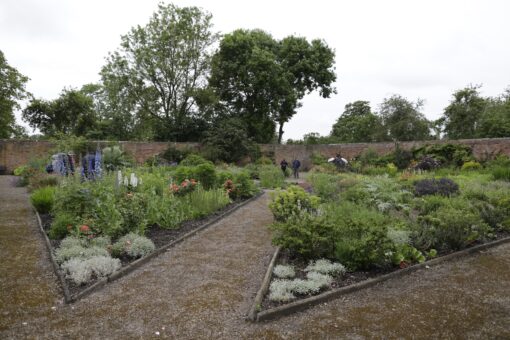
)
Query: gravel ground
[{"x": 203, "y": 287}]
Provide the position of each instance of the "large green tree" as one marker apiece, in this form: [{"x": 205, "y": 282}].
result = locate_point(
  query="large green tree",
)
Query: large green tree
[
  {"x": 402, "y": 119},
  {"x": 160, "y": 68},
  {"x": 358, "y": 124},
  {"x": 495, "y": 119},
  {"x": 72, "y": 113},
  {"x": 12, "y": 90},
  {"x": 461, "y": 117},
  {"x": 262, "y": 80}
]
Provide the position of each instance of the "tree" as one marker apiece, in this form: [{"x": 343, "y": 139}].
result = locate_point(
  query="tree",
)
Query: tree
[
  {"x": 261, "y": 80},
  {"x": 228, "y": 141},
  {"x": 462, "y": 115},
  {"x": 12, "y": 90},
  {"x": 71, "y": 113},
  {"x": 495, "y": 119},
  {"x": 160, "y": 67},
  {"x": 358, "y": 124},
  {"x": 402, "y": 119}
]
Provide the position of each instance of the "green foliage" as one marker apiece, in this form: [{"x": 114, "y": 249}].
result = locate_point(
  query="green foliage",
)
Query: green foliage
[
  {"x": 133, "y": 209},
  {"x": 264, "y": 160},
  {"x": 261, "y": 80},
  {"x": 471, "y": 165},
  {"x": 402, "y": 158},
  {"x": 245, "y": 187},
  {"x": 204, "y": 202},
  {"x": 271, "y": 177},
  {"x": 228, "y": 141},
  {"x": 293, "y": 202},
  {"x": 358, "y": 124},
  {"x": 462, "y": 115},
  {"x": 42, "y": 199},
  {"x": 325, "y": 186},
  {"x": 61, "y": 226},
  {"x": 369, "y": 156},
  {"x": 451, "y": 228},
  {"x": 172, "y": 154},
  {"x": 446, "y": 154},
  {"x": 114, "y": 158},
  {"x": 501, "y": 173},
  {"x": 12, "y": 91},
  {"x": 159, "y": 73},
  {"x": 403, "y": 120},
  {"x": 205, "y": 175},
  {"x": 72, "y": 113},
  {"x": 194, "y": 160},
  {"x": 303, "y": 233}
]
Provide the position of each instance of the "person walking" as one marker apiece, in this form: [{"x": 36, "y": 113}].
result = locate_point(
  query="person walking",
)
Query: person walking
[
  {"x": 284, "y": 165},
  {"x": 295, "y": 166}
]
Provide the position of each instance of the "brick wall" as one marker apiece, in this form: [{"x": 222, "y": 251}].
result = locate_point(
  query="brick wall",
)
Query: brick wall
[{"x": 14, "y": 153}]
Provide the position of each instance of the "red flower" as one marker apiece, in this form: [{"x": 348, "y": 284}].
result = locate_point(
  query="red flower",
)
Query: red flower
[
  {"x": 403, "y": 264},
  {"x": 84, "y": 229}
]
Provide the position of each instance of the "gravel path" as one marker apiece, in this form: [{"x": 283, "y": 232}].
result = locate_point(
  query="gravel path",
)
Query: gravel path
[{"x": 202, "y": 288}]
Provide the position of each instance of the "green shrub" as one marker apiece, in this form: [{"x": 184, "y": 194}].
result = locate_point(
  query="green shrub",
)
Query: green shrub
[
  {"x": 450, "y": 228},
  {"x": 245, "y": 187},
  {"x": 369, "y": 156},
  {"x": 133, "y": 209},
  {"x": 325, "y": 186},
  {"x": 271, "y": 177},
  {"x": 205, "y": 173},
  {"x": 42, "y": 199},
  {"x": 471, "y": 165},
  {"x": 501, "y": 173},
  {"x": 264, "y": 160},
  {"x": 171, "y": 154},
  {"x": 293, "y": 202},
  {"x": 204, "y": 202},
  {"x": 194, "y": 160},
  {"x": 360, "y": 236},
  {"x": 61, "y": 225},
  {"x": 318, "y": 159},
  {"x": 402, "y": 158},
  {"x": 446, "y": 154},
  {"x": 114, "y": 158},
  {"x": 307, "y": 235}
]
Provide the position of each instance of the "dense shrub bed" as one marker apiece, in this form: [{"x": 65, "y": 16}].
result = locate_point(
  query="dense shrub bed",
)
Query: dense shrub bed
[{"x": 371, "y": 225}]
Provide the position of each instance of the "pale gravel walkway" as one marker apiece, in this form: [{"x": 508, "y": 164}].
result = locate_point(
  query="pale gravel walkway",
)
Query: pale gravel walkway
[{"x": 202, "y": 288}]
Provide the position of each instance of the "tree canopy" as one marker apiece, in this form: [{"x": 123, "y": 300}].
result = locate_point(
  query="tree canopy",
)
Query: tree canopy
[
  {"x": 461, "y": 116},
  {"x": 358, "y": 124},
  {"x": 402, "y": 119},
  {"x": 71, "y": 113},
  {"x": 262, "y": 80},
  {"x": 12, "y": 90},
  {"x": 159, "y": 69}
]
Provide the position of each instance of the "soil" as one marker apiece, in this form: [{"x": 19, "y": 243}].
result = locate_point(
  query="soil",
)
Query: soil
[{"x": 203, "y": 287}]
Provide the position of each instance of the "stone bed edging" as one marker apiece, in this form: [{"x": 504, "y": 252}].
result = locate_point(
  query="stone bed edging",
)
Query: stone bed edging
[
  {"x": 300, "y": 305},
  {"x": 68, "y": 298}
]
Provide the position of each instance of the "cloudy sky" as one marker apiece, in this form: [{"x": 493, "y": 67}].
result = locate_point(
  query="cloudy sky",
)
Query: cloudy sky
[{"x": 418, "y": 49}]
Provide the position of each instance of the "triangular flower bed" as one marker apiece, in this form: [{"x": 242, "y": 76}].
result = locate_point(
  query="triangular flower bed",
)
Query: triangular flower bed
[
  {"x": 264, "y": 309},
  {"x": 162, "y": 238}
]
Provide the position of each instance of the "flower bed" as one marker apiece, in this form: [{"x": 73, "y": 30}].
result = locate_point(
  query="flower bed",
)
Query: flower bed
[
  {"x": 98, "y": 227},
  {"x": 374, "y": 226}
]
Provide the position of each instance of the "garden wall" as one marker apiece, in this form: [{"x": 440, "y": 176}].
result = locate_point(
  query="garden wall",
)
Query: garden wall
[{"x": 14, "y": 153}]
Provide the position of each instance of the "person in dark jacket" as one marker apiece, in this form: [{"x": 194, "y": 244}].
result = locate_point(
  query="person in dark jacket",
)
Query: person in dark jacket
[
  {"x": 284, "y": 165},
  {"x": 295, "y": 167}
]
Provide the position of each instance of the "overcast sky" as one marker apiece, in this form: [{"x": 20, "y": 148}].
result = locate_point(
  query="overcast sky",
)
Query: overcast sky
[{"x": 418, "y": 49}]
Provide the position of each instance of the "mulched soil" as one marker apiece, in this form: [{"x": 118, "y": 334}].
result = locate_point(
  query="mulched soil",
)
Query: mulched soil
[{"x": 160, "y": 237}]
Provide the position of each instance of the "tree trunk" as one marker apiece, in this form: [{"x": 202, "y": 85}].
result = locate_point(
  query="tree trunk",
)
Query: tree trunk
[{"x": 280, "y": 133}]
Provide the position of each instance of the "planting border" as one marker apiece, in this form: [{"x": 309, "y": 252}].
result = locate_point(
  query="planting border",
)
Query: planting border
[
  {"x": 68, "y": 298},
  {"x": 306, "y": 303}
]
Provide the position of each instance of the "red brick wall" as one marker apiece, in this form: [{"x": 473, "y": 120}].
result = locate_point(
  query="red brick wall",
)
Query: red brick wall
[{"x": 14, "y": 153}]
